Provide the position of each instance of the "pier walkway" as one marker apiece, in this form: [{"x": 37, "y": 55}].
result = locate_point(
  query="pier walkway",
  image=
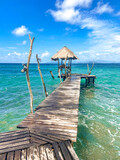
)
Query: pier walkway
[
  {"x": 58, "y": 113},
  {"x": 49, "y": 132}
]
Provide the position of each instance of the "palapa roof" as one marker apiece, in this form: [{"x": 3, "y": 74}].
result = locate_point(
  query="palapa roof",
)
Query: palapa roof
[{"x": 63, "y": 54}]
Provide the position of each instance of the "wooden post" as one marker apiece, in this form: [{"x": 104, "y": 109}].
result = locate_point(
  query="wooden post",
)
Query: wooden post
[
  {"x": 93, "y": 80},
  {"x": 58, "y": 64},
  {"x": 70, "y": 66},
  {"x": 86, "y": 82},
  {"x": 65, "y": 68},
  {"x": 88, "y": 68},
  {"x": 91, "y": 69},
  {"x": 60, "y": 76},
  {"x": 46, "y": 94},
  {"x": 51, "y": 74},
  {"x": 89, "y": 80},
  {"x": 26, "y": 69}
]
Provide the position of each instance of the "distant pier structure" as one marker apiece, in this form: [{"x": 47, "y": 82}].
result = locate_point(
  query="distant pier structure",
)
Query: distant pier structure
[{"x": 64, "y": 58}]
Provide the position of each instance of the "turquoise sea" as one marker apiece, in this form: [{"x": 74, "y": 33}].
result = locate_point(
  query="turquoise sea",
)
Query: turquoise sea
[{"x": 99, "y": 109}]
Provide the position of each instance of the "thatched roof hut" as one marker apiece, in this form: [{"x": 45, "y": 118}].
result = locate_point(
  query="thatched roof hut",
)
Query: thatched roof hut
[{"x": 64, "y": 53}]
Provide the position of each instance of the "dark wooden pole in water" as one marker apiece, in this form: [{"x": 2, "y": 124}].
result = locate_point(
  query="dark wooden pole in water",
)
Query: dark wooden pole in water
[
  {"x": 86, "y": 83},
  {"x": 65, "y": 68},
  {"x": 59, "y": 75},
  {"x": 46, "y": 94},
  {"x": 93, "y": 80},
  {"x": 91, "y": 69},
  {"x": 26, "y": 69},
  {"x": 51, "y": 74},
  {"x": 88, "y": 68}
]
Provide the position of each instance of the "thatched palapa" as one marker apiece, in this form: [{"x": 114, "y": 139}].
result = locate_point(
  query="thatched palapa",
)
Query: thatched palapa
[{"x": 64, "y": 53}]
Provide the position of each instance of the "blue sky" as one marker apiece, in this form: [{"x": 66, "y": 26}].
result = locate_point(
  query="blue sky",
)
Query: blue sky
[{"x": 90, "y": 28}]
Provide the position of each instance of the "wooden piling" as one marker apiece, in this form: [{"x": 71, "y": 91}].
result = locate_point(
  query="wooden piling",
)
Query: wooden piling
[
  {"x": 46, "y": 94},
  {"x": 51, "y": 74},
  {"x": 60, "y": 75},
  {"x": 26, "y": 69},
  {"x": 65, "y": 67}
]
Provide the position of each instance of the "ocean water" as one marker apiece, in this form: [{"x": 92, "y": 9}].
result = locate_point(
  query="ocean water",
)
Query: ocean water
[{"x": 99, "y": 106}]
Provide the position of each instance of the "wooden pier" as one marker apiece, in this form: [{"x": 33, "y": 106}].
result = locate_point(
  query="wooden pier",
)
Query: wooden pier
[
  {"x": 58, "y": 113},
  {"x": 28, "y": 144},
  {"x": 49, "y": 132}
]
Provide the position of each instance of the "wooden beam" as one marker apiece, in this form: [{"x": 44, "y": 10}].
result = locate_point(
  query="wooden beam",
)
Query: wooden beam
[
  {"x": 65, "y": 67},
  {"x": 60, "y": 75},
  {"x": 91, "y": 69},
  {"x": 38, "y": 59},
  {"x": 26, "y": 69},
  {"x": 51, "y": 74}
]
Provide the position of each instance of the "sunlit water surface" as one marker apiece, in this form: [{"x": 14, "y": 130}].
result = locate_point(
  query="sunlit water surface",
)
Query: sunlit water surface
[{"x": 99, "y": 109}]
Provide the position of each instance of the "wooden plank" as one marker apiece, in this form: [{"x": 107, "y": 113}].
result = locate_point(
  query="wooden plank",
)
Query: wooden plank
[
  {"x": 43, "y": 155},
  {"x": 61, "y": 117},
  {"x": 57, "y": 152},
  {"x": 11, "y": 138},
  {"x": 16, "y": 147},
  {"x": 65, "y": 126},
  {"x": 65, "y": 151},
  {"x": 10, "y": 156},
  {"x": 56, "y": 138},
  {"x": 36, "y": 153},
  {"x": 30, "y": 154},
  {"x": 38, "y": 141},
  {"x": 17, "y": 155},
  {"x": 3, "y": 156},
  {"x": 49, "y": 152},
  {"x": 59, "y": 134},
  {"x": 71, "y": 150},
  {"x": 14, "y": 132},
  {"x": 37, "y": 136},
  {"x": 46, "y": 136},
  {"x": 24, "y": 154},
  {"x": 14, "y": 142}
]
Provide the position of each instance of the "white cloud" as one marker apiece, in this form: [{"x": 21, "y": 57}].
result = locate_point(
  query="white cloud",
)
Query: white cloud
[
  {"x": 41, "y": 29},
  {"x": 67, "y": 11},
  {"x": 24, "y": 42},
  {"x": 45, "y": 54},
  {"x": 103, "y": 39},
  {"x": 69, "y": 15},
  {"x": 103, "y": 8},
  {"x": 68, "y": 29},
  {"x": 118, "y": 13},
  {"x": 82, "y": 52},
  {"x": 17, "y": 54},
  {"x": 21, "y": 31},
  {"x": 14, "y": 53},
  {"x": 72, "y": 3}
]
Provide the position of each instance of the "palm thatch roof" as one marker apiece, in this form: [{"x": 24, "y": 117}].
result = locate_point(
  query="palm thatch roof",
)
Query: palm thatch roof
[{"x": 63, "y": 54}]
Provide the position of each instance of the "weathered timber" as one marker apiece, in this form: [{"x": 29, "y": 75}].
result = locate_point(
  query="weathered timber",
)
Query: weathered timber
[
  {"x": 26, "y": 69},
  {"x": 51, "y": 74},
  {"x": 40, "y": 146},
  {"x": 50, "y": 130},
  {"x": 61, "y": 117},
  {"x": 38, "y": 59}
]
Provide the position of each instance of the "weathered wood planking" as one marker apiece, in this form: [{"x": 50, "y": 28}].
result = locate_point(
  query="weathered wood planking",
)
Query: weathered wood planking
[
  {"x": 58, "y": 113},
  {"x": 40, "y": 147}
]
